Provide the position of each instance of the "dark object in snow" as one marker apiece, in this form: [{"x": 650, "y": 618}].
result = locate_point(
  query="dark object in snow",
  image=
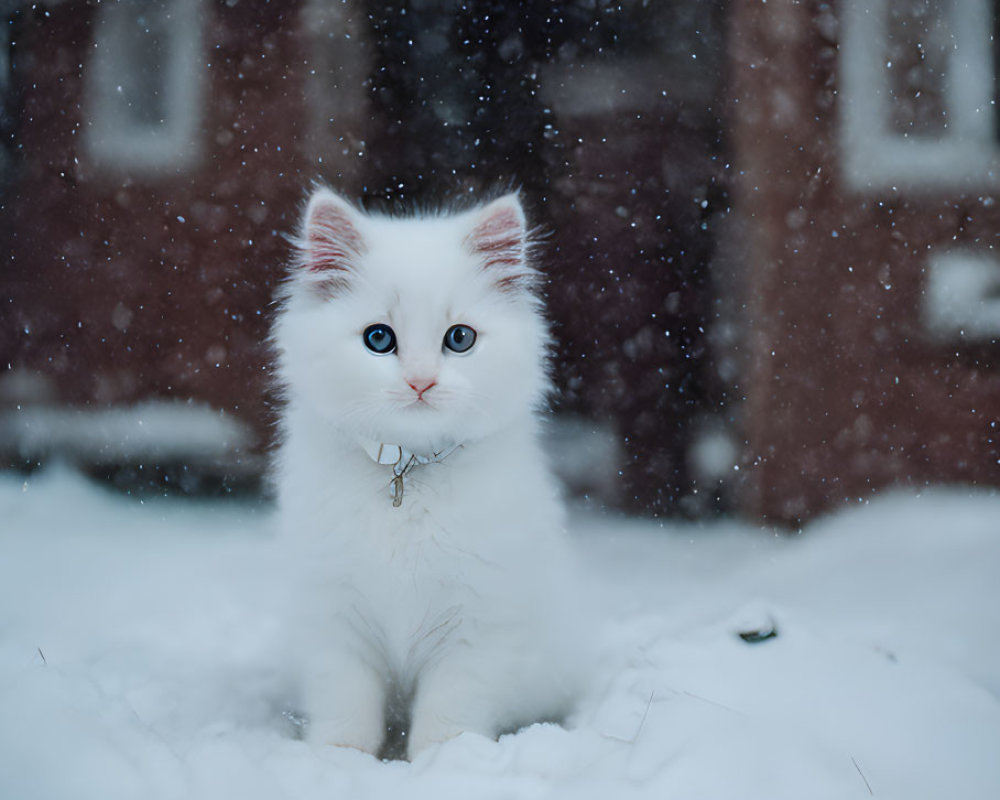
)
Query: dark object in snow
[
  {"x": 762, "y": 634},
  {"x": 295, "y": 723}
]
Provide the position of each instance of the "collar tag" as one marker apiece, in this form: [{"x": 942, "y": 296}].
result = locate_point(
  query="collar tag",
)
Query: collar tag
[
  {"x": 388, "y": 454},
  {"x": 396, "y": 491},
  {"x": 402, "y": 461}
]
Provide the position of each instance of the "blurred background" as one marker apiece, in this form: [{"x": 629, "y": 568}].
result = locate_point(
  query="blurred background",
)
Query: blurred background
[{"x": 769, "y": 228}]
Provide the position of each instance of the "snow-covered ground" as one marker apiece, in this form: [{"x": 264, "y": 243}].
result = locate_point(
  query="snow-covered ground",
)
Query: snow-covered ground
[{"x": 138, "y": 659}]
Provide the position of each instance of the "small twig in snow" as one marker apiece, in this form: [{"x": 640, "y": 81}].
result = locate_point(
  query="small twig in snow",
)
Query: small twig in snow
[
  {"x": 712, "y": 702},
  {"x": 867, "y": 785},
  {"x": 642, "y": 721},
  {"x": 44, "y": 662},
  {"x": 638, "y": 729}
]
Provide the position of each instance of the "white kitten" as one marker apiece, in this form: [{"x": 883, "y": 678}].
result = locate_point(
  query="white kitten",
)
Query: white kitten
[{"x": 411, "y": 480}]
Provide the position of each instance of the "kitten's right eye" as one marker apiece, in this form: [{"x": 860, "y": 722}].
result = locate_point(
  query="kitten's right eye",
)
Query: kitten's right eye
[{"x": 380, "y": 339}]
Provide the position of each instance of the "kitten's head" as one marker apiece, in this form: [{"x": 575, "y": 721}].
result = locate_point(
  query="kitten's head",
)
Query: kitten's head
[{"x": 420, "y": 331}]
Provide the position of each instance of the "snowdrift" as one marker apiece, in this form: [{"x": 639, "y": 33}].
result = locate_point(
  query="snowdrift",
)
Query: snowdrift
[{"x": 140, "y": 657}]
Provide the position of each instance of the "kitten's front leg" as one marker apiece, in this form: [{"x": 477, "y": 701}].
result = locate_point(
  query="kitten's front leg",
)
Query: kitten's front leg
[
  {"x": 450, "y": 700},
  {"x": 345, "y": 701}
]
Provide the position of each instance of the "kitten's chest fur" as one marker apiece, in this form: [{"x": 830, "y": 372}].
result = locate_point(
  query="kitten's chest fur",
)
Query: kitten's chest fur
[
  {"x": 405, "y": 584},
  {"x": 337, "y": 491},
  {"x": 460, "y": 518}
]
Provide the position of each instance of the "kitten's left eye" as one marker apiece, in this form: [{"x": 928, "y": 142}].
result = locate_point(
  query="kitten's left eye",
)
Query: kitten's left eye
[
  {"x": 380, "y": 339},
  {"x": 459, "y": 338}
]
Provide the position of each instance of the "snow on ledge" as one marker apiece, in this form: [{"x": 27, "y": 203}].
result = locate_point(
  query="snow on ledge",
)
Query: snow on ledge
[{"x": 152, "y": 430}]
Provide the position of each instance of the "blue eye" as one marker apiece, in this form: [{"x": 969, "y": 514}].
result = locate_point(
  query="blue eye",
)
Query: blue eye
[
  {"x": 459, "y": 338},
  {"x": 380, "y": 339}
]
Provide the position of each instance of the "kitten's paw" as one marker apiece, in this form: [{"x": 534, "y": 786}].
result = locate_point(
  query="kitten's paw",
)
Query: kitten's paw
[
  {"x": 428, "y": 731},
  {"x": 367, "y": 738},
  {"x": 345, "y": 704},
  {"x": 423, "y": 736}
]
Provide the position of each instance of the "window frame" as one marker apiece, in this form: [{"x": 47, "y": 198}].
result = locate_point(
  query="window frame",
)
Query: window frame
[
  {"x": 113, "y": 137},
  {"x": 874, "y": 157}
]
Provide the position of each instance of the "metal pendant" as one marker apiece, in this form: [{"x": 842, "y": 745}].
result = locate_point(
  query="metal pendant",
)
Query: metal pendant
[{"x": 396, "y": 491}]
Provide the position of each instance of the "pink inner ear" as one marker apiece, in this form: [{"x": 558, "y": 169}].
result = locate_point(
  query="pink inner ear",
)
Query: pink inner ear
[
  {"x": 499, "y": 238},
  {"x": 333, "y": 241}
]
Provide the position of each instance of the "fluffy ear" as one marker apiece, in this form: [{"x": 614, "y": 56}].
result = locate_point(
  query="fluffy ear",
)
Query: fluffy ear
[
  {"x": 499, "y": 238},
  {"x": 331, "y": 243}
]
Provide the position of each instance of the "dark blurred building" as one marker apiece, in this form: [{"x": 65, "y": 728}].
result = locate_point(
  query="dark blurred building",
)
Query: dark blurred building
[
  {"x": 151, "y": 169},
  {"x": 866, "y": 140},
  {"x": 825, "y": 331}
]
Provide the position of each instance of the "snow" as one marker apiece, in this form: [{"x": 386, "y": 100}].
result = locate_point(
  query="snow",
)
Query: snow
[
  {"x": 153, "y": 430},
  {"x": 139, "y": 658}
]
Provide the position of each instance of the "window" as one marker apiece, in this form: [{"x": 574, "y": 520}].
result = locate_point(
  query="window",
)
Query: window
[
  {"x": 145, "y": 85},
  {"x": 962, "y": 296},
  {"x": 917, "y": 95}
]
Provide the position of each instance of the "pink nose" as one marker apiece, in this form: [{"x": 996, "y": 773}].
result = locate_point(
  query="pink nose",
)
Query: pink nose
[{"x": 421, "y": 385}]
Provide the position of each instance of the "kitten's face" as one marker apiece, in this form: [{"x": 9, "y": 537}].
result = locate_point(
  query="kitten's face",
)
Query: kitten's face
[{"x": 421, "y": 332}]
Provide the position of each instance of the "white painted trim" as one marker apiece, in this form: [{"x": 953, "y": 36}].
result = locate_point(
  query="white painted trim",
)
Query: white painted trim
[
  {"x": 962, "y": 296},
  {"x": 113, "y": 136},
  {"x": 873, "y": 156}
]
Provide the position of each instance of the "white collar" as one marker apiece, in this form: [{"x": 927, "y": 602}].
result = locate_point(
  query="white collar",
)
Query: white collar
[{"x": 402, "y": 461}]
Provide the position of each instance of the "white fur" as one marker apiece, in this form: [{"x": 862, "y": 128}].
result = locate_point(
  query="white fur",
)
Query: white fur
[{"x": 453, "y": 606}]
